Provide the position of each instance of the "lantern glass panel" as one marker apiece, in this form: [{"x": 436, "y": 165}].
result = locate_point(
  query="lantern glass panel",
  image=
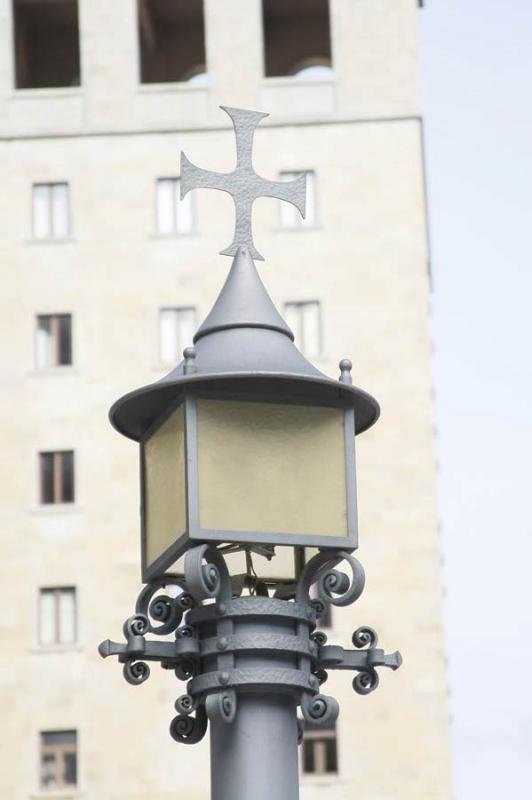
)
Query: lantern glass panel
[
  {"x": 164, "y": 485},
  {"x": 271, "y": 468}
]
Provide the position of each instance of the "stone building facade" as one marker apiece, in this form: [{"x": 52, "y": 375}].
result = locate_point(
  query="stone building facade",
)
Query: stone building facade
[{"x": 104, "y": 275}]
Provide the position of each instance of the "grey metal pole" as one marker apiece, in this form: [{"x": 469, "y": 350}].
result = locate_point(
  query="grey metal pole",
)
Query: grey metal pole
[{"x": 255, "y": 757}]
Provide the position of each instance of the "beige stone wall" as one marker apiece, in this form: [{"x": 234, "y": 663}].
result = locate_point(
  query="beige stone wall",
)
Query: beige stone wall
[{"x": 366, "y": 262}]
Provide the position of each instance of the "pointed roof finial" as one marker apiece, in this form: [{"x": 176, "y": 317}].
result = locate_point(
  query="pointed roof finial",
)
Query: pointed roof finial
[
  {"x": 244, "y": 346},
  {"x": 243, "y": 302}
]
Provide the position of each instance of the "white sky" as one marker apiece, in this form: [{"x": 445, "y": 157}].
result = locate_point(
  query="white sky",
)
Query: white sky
[{"x": 476, "y": 72}]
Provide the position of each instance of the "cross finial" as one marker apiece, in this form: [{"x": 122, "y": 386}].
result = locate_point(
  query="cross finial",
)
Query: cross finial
[{"x": 243, "y": 183}]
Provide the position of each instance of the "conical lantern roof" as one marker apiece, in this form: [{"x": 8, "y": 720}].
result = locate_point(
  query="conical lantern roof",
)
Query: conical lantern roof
[
  {"x": 243, "y": 347},
  {"x": 243, "y": 302}
]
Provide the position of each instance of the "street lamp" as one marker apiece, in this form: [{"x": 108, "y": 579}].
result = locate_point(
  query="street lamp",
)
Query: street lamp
[
  {"x": 234, "y": 441},
  {"x": 248, "y": 498}
]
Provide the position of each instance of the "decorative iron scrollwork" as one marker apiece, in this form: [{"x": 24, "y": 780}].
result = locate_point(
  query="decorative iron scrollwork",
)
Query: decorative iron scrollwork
[
  {"x": 188, "y": 729},
  {"x": 320, "y": 710},
  {"x": 365, "y": 637},
  {"x": 221, "y": 705},
  {"x": 337, "y": 588},
  {"x": 319, "y": 637},
  {"x": 185, "y": 704},
  {"x": 165, "y": 611},
  {"x": 208, "y": 580},
  {"x": 364, "y": 660},
  {"x": 366, "y": 681},
  {"x": 137, "y": 625},
  {"x": 334, "y": 587},
  {"x": 136, "y": 672},
  {"x": 185, "y": 670},
  {"x": 210, "y": 641}
]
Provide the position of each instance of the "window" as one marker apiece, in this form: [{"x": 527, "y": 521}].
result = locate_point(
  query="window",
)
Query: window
[
  {"x": 289, "y": 214},
  {"x": 176, "y": 331},
  {"x": 59, "y": 759},
  {"x": 171, "y": 41},
  {"x": 57, "y": 477},
  {"x": 297, "y": 36},
  {"x": 46, "y": 43},
  {"x": 57, "y": 616},
  {"x": 319, "y": 751},
  {"x": 174, "y": 216},
  {"x": 54, "y": 340},
  {"x": 51, "y": 212},
  {"x": 304, "y": 319}
]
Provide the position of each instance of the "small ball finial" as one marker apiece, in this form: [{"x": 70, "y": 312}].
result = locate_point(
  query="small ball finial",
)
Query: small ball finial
[
  {"x": 345, "y": 370},
  {"x": 189, "y": 354}
]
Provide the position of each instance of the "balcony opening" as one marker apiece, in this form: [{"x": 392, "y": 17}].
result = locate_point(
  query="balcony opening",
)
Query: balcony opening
[
  {"x": 297, "y": 38},
  {"x": 171, "y": 41},
  {"x": 46, "y": 43}
]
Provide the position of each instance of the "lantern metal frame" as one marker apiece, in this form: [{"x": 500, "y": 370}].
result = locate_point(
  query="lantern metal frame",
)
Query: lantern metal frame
[{"x": 195, "y": 533}]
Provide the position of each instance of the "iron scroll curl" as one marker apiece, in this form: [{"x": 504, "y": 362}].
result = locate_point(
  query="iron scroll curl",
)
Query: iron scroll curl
[
  {"x": 211, "y": 642},
  {"x": 334, "y": 587}
]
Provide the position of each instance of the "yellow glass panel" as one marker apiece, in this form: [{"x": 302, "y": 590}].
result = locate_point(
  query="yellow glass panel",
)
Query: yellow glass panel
[
  {"x": 164, "y": 476},
  {"x": 271, "y": 468}
]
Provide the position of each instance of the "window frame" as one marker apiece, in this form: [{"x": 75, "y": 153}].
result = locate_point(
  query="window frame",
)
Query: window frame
[
  {"x": 57, "y": 592},
  {"x": 300, "y": 344},
  {"x": 173, "y": 85},
  {"x": 57, "y": 479},
  {"x": 319, "y": 736},
  {"x": 292, "y": 77},
  {"x": 55, "y": 318},
  {"x": 175, "y": 232},
  {"x": 301, "y": 223},
  {"x": 49, "y": 91},
  {"x": 50, "y": 186},
  {"x": 181, "y": 346},
  {"x": 41, "y": 748}
]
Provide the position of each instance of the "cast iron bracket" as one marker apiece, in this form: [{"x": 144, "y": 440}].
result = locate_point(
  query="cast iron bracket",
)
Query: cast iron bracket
[
  {"x": 224, "y": 645},
  {"x": 364, "y": 661}
]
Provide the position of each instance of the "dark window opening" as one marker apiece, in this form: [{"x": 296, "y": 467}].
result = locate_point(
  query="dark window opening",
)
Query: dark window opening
[
  {"x": 57, "y": 477},
  {"x": 297, "y": 37},
  {"x": 46, "y": 43},
  {"x": 59, "y": 759},
  {"x": 171, "y": 41},
  {"x": 320, "y": 755}
]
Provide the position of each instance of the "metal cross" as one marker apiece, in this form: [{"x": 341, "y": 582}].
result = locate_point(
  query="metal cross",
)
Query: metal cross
[{"x": 243, "y": 183}]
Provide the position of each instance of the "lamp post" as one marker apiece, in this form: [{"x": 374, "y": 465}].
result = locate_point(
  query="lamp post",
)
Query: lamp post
[{"x": 248, "y": 501}]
